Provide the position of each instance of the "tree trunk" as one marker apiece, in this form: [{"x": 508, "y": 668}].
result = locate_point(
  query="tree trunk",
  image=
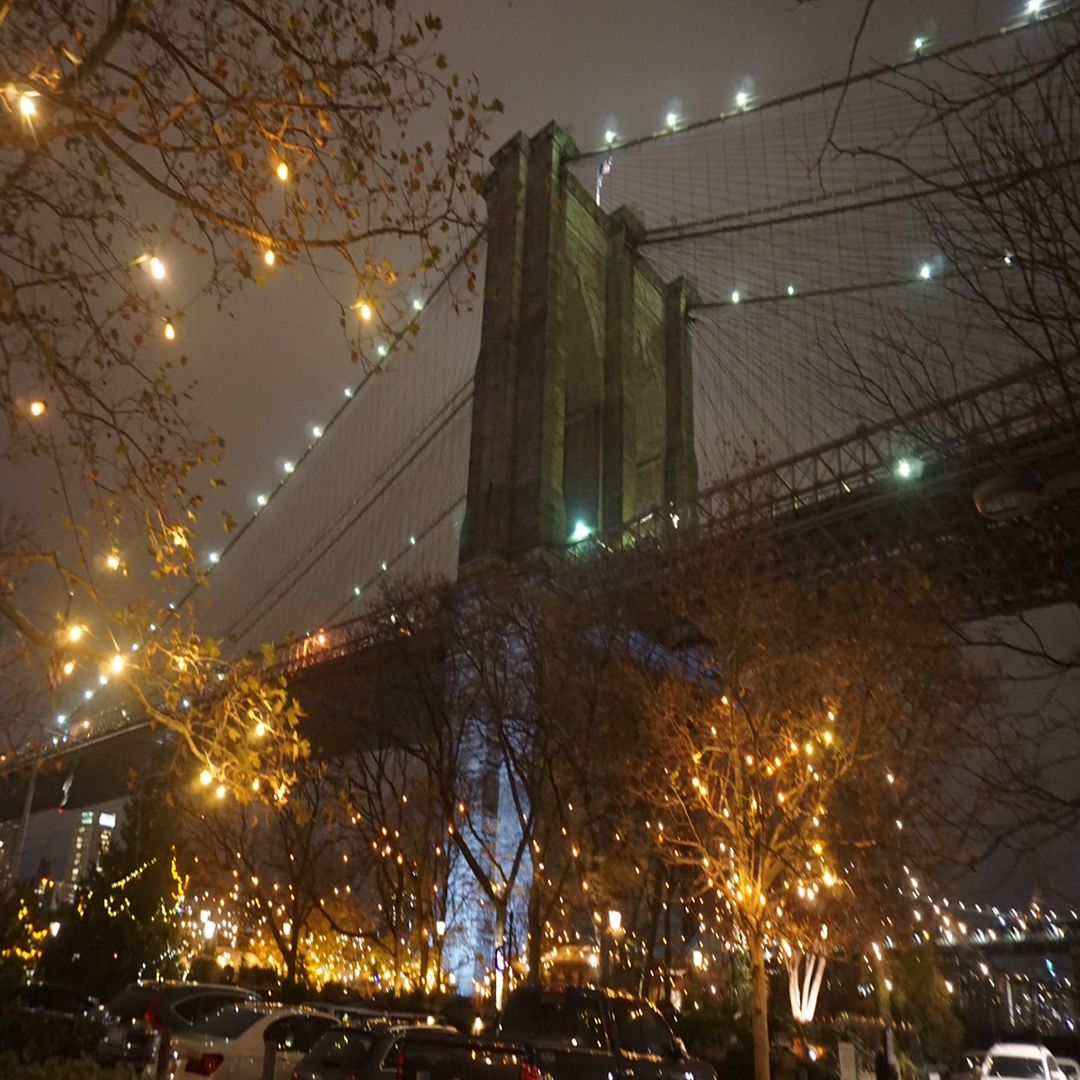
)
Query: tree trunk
[
  {"x": 534, "y": 930},
  {"x": 759, "y": 1010},
  {"x": 500, "y": 952},
  {"x": 654, "y": 925}
]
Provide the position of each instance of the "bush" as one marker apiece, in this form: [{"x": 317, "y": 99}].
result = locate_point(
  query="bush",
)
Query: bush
[{"x": 81, "y": 1068}]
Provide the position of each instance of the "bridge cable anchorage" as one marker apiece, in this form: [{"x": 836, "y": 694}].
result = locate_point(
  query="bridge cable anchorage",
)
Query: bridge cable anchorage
[{"x": 922, "y": 56}]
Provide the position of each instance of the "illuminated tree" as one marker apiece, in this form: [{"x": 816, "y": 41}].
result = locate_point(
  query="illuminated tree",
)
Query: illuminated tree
[
  {"x": 217, "y": 143},
  {"x": 797, "y": 755},
  {"x": 271, "y": 867}
]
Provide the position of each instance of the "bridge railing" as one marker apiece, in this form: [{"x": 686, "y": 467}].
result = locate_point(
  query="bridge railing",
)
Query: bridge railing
[{"x": 970, "y": 426}]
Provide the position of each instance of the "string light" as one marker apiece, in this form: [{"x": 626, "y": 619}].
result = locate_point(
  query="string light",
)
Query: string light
[
  {"x": 38, "y": 408},
  {"x": 112, "y": 561},
  {"x": 742, "y": 99},
  {"x": 157, "y": 268},
  {"x": 170, "y": 331},
  {"x": 27, "y": 107},
  {"x": 672, "y": 120},
  {"x": 364, "y": 310},
  {"x": 282, "y": 171},
  {"x": 610, "y": 136},
  {"x": 269, "y": 257}
]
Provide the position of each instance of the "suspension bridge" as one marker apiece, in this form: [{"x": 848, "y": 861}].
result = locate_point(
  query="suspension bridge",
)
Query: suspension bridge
[{"x": 785, "y": 311}]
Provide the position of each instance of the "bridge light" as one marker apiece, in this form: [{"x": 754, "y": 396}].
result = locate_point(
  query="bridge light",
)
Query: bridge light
[
  {"x": 581, "y": 532},
  {"x": 908, "y": 468}
]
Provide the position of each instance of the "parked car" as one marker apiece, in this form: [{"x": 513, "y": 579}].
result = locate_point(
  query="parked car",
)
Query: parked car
[
  {"x": 966, "y": 1065},
  {"x": 143, "y": 1018},
  {"x": 1020, "y": 1061},
  {"x": 1070, "y": 1067},
  {"x": 361, "y": 1051},
  {"x": 574, "y": 1033},
  {"x": 235, "y": 1043},
  {"x": 362, "y": 1014}
]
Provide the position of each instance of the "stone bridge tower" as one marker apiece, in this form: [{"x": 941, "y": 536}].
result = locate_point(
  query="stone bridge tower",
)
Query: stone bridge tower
[{"x": 583, "y": 404}]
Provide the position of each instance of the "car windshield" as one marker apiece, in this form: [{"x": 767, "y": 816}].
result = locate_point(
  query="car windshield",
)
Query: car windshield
[
  {"x": 229, "y": 1023},
  {"x": 341, "y": 1048},
  {"x": 1015, "y": 1067},
  {"x": 559, "y": 1017}
]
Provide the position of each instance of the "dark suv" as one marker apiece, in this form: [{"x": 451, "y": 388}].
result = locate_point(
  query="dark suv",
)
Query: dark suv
[{"x": 143, "y": 1017}]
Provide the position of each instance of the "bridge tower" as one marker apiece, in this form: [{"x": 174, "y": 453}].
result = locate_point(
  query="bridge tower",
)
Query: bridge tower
[{"x": 583, "y": 403}]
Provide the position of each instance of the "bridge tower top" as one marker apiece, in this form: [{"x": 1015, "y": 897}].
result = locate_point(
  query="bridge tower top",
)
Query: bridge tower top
[{"x": 583, "y": 403}]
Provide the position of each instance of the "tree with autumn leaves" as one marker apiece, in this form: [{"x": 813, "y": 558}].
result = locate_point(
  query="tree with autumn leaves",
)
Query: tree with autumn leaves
[
  {"x": 799, "y": 761},
  {"x": 236, "y": 139}
]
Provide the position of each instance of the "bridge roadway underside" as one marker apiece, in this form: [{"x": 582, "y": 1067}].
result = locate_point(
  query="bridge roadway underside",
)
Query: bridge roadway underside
[{"x": 997, "y": 567}]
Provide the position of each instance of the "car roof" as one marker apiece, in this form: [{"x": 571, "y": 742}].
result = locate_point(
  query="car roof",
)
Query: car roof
[{"x": 1032, "y": 1050}]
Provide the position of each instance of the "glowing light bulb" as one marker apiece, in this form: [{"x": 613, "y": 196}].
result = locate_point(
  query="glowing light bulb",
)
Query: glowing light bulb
[
  {"x": 220, "y": 793},
  {"x": 919, "y": 43},
  {"x": 116, "y": 665},
  {"x": 288, "y": 467},
  {"x": 1034, "y": 7},
  {"x": 582, "y": 531},
  {"x": 418, "y": 304},
  {"x": 742, "y": 99},
  {"x": 260, "y": 729},
  {"x": 282, "y": 171},
  {"x": 736, "y": 296},
  {"x": 69, "y": 667},
  {"x": 213, "y": 558},
  {"x": 269, "y": 257},
  {"x": 610, "y": 136},
  {"x": 791, "y": 290},
  {"x": 157, "y": 268},
  {"x": 316, "y": 431},
  {"x": 205, "y": 777},
  {"x": 26, "y": 105},
  {"x": 926, "y": 271},
  {"x": 170, "y": 331},
  {"x": 75, "y": 632},
  {"x": 382, "y": 350},
  {"x": 672, "y": 120},
  {"x": 38, "y": 408},
  {"x": 112, "y": 561},
  {"x": 260, "y": 500},
  {"x": 365, "y": 310}
]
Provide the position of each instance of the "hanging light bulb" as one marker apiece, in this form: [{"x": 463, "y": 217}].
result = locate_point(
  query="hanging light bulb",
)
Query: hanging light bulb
[
  {"x": 269, "y": 257},
  {"x": 282, "y": 171},
  {"x": 170, "y": 331}
]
